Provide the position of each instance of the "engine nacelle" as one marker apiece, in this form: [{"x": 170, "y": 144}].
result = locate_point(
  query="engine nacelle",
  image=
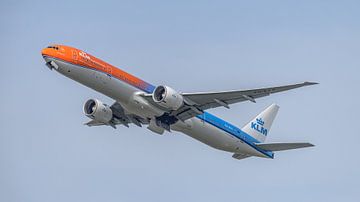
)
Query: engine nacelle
[
  {"x": 98, "y": 111},
  {"x": 167, "y": 97}
]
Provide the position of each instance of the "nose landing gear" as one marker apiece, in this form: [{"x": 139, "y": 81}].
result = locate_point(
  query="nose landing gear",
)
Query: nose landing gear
[{"x": 51, "y": 65}]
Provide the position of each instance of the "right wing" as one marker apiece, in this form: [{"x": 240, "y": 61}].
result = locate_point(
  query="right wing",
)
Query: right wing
[
  {"x": 209, "y": 100},
  {"x": 196, "y": 103}
]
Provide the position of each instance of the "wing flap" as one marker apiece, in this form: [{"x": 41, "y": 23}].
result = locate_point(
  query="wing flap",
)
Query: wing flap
[
  {"x": 94, "y": 123},
  {"x": 282, "y": 146},
  {"x": 239, "y": 156}
]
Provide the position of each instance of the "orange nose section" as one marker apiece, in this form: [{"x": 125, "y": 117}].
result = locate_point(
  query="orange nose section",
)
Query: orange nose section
[{"x": 45, "y": 51}]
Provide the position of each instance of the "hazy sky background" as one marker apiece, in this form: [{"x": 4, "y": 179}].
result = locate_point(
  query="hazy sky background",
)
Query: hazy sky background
[{"x": 46, "y": 154}]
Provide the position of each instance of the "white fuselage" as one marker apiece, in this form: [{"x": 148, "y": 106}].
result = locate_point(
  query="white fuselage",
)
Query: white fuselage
[{"x": 127, "y": 96}]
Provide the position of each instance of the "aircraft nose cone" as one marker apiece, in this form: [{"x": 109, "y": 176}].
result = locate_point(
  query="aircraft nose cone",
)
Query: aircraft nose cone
[{"x": 45, "y": 52}]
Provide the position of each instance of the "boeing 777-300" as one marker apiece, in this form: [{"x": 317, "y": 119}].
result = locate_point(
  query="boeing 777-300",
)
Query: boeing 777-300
[{"x": 161, "y": 108}]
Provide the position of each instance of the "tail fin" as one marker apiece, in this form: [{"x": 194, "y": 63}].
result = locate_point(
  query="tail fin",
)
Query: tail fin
[{"x": 259, "y": 127}]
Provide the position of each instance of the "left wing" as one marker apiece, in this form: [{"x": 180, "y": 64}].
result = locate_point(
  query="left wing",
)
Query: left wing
[
  {"x": 196, "y": 103},
  {"x": 120, "y": 118}
]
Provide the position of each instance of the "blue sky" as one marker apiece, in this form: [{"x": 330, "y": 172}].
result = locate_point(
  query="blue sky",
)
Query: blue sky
[{"x": 46, "y": 154}]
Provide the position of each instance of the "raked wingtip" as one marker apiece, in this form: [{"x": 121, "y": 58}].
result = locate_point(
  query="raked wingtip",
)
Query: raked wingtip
[{"x": 308, "y": 83}]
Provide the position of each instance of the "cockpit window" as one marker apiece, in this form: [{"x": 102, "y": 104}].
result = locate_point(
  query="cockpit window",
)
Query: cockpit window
[{"x": 53, "y": 47}]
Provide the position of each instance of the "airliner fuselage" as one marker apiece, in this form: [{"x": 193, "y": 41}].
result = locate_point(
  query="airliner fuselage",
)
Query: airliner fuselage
[{"x": 133, "y": 104}]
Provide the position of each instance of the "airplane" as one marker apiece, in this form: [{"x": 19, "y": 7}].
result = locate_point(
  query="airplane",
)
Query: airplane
[{"x": 161, "y": 108}]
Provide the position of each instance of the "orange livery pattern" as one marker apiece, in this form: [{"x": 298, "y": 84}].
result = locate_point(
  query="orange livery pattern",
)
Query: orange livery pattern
[
  {"x": 79, "y": 57},
  {"x": 162, "y": 108}
]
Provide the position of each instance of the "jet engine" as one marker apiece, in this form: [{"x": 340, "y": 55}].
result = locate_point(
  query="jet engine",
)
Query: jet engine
[
  {"x": 168, "y": 97},
  {"x": 98, "y": 111}
]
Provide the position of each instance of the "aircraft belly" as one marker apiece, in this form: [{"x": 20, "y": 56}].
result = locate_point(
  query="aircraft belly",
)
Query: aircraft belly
[
  {"x": 208, "y": 134},
  {"x": 135, "y": 104},
  {"x": 98, "y": 81},
  {"x": 111, "y": 87},
  {"x": 214, "y": 137}
]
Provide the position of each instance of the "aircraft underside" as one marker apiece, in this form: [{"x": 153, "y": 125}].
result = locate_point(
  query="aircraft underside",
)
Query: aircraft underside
[{"x": 163, "y": 109}]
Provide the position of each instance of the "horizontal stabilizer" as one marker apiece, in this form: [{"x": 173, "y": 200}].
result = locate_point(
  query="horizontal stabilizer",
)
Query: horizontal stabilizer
[{"x": 282, "y": 146}]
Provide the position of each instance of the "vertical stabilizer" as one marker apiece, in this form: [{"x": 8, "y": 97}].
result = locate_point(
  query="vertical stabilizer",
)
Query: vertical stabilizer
[{"x": 259, "y": 127}]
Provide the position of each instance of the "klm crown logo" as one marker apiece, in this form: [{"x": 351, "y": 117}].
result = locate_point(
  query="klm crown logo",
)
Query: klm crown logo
[
  {"x": 259, "y": 126},
  {"x": 260, "y": 121}
]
